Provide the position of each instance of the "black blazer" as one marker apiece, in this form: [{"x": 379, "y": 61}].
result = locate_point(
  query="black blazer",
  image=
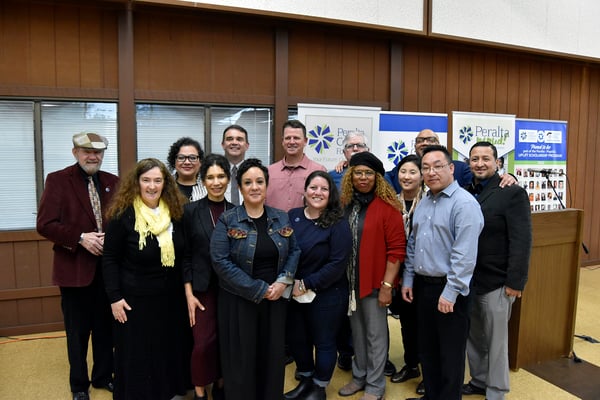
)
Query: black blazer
[
  {"x": 198, "y": 226},
  {"x": 505, "y": 241}
]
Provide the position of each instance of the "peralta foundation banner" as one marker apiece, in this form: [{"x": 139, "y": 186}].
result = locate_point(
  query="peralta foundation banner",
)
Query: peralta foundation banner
[{"x": 327, "y": 125}]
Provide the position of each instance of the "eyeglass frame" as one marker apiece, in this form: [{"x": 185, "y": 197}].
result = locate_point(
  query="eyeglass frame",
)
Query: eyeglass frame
[
  {"x": 436, "y": 169},
  {"x": 193, "y": 158},
  {"x": 428, "y": 139},
  {"x": 359, "y": 145},
  {"x": 366, "y": 173}
]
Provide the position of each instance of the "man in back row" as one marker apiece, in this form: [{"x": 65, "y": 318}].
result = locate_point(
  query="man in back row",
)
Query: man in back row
[
  {"x": 287, "y": 176},
  {"x": 235, "y": 144}
]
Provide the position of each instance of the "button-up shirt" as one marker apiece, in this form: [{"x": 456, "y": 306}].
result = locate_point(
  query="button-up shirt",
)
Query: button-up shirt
[
  {"x": 443, "y": 241},
  {"x": 286, "y": 183}
]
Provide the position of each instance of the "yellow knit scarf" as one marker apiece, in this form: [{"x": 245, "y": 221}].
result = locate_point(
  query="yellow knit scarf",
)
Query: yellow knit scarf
[{"x": 148, "y": 221}]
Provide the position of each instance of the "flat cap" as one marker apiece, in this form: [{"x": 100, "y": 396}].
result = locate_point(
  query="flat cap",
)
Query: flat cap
[{"x": 90, "y": 140}]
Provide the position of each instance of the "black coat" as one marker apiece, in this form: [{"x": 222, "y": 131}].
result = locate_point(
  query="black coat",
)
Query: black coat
[
  {"x": 198, "y": 226},
  {"x": 505, "y": 241}
]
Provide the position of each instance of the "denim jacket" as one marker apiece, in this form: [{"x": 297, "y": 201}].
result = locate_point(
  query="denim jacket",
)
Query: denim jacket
[{"x": 232, "y": 249}]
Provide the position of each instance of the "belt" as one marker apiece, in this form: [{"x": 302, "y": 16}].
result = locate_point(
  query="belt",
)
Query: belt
[{"x": 440, "y": 280}]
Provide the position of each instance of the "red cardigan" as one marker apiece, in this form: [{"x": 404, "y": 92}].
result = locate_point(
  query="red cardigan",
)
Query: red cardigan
[{"x": 382, "y": 239}]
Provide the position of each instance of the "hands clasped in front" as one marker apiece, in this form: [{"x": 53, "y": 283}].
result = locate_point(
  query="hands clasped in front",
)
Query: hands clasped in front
[
  {"x": 93, "y": 242},
  {"x": 275, "y": 291}
]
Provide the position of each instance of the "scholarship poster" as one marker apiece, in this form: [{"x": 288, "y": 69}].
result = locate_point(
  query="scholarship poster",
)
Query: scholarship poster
[
  {"x": 326, "y": 126},
  {"x": 398, "y": 130},
  {"x": 469, "y": 128},
  {"x": 541, "y": 162}
]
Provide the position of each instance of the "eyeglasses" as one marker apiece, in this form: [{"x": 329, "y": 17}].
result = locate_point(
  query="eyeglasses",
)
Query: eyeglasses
[
  {"x": 357, "y": 145},
  {"x": 429, "y": 139},
  {"x": 366, "y": 173},
  {"x": 435, "y": 169},
  {"x": 192, "y": 158}
]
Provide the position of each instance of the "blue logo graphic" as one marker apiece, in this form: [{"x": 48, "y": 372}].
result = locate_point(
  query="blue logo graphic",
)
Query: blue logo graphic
[
  {"x": 466, "y": 134},
  {"x": 320, "y": 138},
  {"x": 396, "y": 152}
]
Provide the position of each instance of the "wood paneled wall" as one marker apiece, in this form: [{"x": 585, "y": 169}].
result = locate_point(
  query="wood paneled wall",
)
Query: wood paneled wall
[{"x": 67, "y": 49}]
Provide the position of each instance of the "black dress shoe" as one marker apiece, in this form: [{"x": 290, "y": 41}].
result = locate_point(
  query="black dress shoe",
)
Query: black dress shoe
[
  {"x": 81, "y": 396},
  {"x": 344, "y": 362},
  {"x": 421, "y": 388},
  {"x": 415, "y": 398},
  {"x": 110, "y": 386},
  {"x": 389, "y": 369},
  {"x": 468, "y": 389},
  {"x": 405, "y": 374},
  {"x": 316, "y": 392},
  {"x": 298, "y": 392}
]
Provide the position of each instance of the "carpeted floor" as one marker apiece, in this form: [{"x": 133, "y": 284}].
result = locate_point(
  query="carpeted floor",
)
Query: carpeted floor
[{"x": 35, "y": 367}]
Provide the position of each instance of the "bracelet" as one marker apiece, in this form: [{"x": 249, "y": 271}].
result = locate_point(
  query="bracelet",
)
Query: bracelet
[
  {"x": 387, "y": 284},
  {"x": 301, "y": 285}
]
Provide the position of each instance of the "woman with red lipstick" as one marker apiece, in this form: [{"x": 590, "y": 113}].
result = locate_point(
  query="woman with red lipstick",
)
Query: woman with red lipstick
[
  {"x": 378, "y": 248},
  {"x": 143, "y": 253}
]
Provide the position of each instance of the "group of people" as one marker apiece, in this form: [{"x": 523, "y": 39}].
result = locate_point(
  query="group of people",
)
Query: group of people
[{"x": 208, "y": 276}]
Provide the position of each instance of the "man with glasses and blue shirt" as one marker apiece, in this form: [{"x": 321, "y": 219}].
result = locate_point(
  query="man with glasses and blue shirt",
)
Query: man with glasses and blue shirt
[{"x": 440, "y": 260}]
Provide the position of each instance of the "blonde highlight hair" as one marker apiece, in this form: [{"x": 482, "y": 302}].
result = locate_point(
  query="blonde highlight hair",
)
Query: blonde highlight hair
[{"x": 383, "y": 190}]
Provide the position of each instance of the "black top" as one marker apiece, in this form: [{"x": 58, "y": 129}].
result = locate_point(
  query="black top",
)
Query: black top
[{"x": 266, "y": 254}]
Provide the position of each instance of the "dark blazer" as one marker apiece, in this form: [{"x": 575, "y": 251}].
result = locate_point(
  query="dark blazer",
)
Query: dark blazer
[
  {"x": 65, "y": 213},
  {"x": 505, "y": 241},
  {"x": 198, "y": 227}
]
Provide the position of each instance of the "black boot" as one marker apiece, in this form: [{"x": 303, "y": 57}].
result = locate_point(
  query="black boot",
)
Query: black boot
[
  {"x": 298, "y": 392},
  {"x": 316, "y": 392}
]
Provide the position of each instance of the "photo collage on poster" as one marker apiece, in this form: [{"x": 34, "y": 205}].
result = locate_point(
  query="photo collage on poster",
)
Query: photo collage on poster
[{"x": 546, "y": 190}]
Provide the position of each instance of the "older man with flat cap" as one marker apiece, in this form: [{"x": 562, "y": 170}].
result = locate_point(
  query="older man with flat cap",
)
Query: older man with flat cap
[{"x": 71, "y": 216}]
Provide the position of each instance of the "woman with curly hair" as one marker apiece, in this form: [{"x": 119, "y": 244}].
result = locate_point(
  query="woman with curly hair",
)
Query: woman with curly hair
[
  {"x": 313, "y": 321},
  {"x": 143, "y": 252},
  {"x": 185, "y": 158},
  {"x": 378, "y": 248}
]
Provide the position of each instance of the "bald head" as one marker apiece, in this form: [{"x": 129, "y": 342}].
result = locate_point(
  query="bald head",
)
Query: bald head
[{"x": 425, "y": 138}]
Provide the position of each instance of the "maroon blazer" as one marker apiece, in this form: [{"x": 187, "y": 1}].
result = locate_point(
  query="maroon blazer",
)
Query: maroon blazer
[{"x": 65, "y": 213}]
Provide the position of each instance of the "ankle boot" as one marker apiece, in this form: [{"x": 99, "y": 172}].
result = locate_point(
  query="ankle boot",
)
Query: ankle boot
[
  {"x": 298, "y": 392},
  {"x": 316, "y": 392}
]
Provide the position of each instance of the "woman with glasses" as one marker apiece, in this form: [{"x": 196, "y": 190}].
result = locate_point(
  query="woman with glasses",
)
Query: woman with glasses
[
  {"x": 378, "y": 248},
  {"x": 185, "y": 157}
]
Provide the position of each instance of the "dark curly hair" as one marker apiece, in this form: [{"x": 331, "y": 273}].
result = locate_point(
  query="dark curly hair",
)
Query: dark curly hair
[
  {"x": 251, "y": 163},
  {"x": 174, "y": 150},
  {"x": 129, "y": 189},
  {"x": 383, "y": 190},
  {"x": 333, "y": 211}
]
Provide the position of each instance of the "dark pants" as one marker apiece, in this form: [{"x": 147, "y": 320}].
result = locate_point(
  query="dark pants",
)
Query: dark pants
[
  {"x": 313, "y": 327},
  {"x": 344, "y": 338},
  {"x": 251, "y": 342},
  {"x": 86, "y": 311},
  {"x": 408, "y": 324},
  {"x": 442, "y": 341}
]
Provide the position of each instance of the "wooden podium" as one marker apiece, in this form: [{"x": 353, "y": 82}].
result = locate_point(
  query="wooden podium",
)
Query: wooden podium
[{"x": 542, "y": 324}]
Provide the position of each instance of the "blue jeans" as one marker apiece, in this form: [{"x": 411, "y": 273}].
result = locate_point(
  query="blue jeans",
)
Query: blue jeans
[{"x": 315, "y": 326}]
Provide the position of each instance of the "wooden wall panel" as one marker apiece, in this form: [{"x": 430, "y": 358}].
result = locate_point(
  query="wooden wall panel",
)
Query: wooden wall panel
[
  {"x": 175, "y": 53},
  {"x": 332, "y": 67},
  {"x": 57, "y": 46},
  {"x": 7, "y": 266}
]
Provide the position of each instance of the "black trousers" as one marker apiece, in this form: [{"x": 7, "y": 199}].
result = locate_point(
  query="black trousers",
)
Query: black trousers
[
  {"x": 408, "y": 325},
  {"x": 252, "y": 342},
  {"x": 86, "y": 312},
  {"x": 442, "y": 341}
]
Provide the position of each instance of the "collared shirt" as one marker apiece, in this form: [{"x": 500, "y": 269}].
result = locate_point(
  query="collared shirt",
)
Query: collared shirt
[
  {"x": 228, "y": 190},
  {"x": 286, "y": 183},
  {"x": 444, "y": 239}
]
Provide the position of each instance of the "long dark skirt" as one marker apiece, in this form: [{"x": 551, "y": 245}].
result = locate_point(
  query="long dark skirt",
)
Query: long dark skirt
[
  {"x": 150, "y": 349},
  {"x": 252, "y": 340},
  {"x": 206, "y": 365}
]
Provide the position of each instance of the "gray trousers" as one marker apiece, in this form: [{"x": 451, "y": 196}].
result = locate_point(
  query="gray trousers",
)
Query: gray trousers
[
  {"x": 487, "y": 344},
  {"x": 370, "y": 341}
]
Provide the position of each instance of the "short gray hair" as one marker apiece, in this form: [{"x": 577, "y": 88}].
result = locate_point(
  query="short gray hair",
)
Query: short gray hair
[{"x": 351, "y": 134}]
